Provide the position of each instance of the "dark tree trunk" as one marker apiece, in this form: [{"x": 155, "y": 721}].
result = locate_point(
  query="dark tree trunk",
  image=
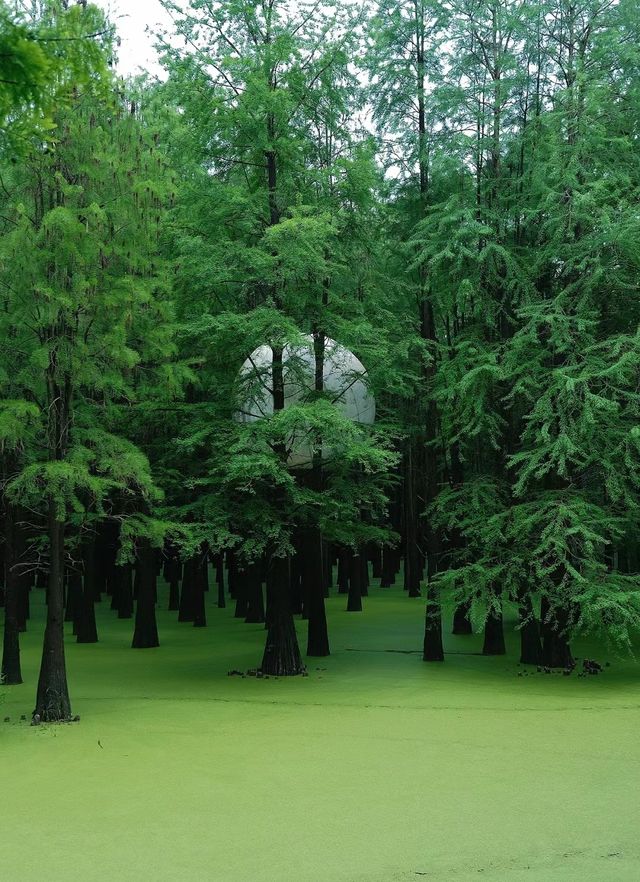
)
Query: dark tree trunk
[
  {"x": 343, "y": 571},
  {"x": 493, "y": 629},
  {"x": 231, "y": 573},
  {"x": 240, "y": 611},
  {"x": 282, "y": 653},
  {"x": 412, "y": 557},
  {"x": 461, "y": 620},
  {"x": 255, "y": 597},
  {"x": 530, "y": 644},
  {"x": 364, "y": 580},
  {"x": 354, "y": 600},
  {"x": 172, "y": 574},
  {"x": 52, "y": 697},
  {"x": 433, "y": 649},
  {"x": 186, "y": 611},
  {"x": 11, "y": 671},
  {"x": 556, "y": 651},
  {"x": 220, "y": 580},
  {"x": 145, "y": 635},
  {"x": 375, "y": 556},
  {"x": 388, "y": 571},
  {"x": 124, "y": 575},
  {"x": 317, "y": 633},
  {"x": 85, "y": 622},
  {"x": 73, "y": 578},
  {"x": 23, "y": 607},
  {"x": 199, "y": 582}
]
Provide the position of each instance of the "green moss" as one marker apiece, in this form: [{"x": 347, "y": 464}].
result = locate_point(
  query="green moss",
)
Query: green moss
[{"x": 378, "y": 768}]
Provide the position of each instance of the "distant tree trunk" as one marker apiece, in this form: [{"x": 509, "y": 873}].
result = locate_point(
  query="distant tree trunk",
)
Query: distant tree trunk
[
  {"x": 11, "y": 671},
  {"x": 124, "y": 574},
  {"x": 354, "y": 601},
  {"x": 364, "y": 581},
  {"x": 530, "y": 644},
  {"x": 240, "y": 611},
  {"x": 145, "y": 635},
  {"x": 186, "y": 611},
  {"x": 493, "y": 629},
  {"x": 220, "y": 580},
  {"x": 412, "y": 557},
  {"x": 52, "y": 697},
  {"x": 343, "y": 571},
  {"x": 255, "y": 597},
  {"x": 375, "y": 556},
  {"x": 73, "y": 597},
  {"x": 461, "y": 620},
  {"x": 388, "y": 571},
  {"x": 282, "y": 653},
  {"x": 317, "y": 632},
  {"x": 199, "y": 584},
  {"x": 556, "y": 651},
  {"x": 86, "y": 628}
]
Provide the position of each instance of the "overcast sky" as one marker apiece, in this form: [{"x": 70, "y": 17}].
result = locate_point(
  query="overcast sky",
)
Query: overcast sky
[{"x": 132, "y": 18}]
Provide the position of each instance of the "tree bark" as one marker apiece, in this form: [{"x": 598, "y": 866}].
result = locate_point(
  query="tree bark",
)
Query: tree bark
[
  {"x": 11, "y": 670},
  {"x": 255, "y": 597},
  {"x": 281, "y": 654},
  {"x": 354, "y": 600},
  {"x": 52, "y": 697},
  {"x": 145, "y": 635},
  {"x": 461, "y": 620}
]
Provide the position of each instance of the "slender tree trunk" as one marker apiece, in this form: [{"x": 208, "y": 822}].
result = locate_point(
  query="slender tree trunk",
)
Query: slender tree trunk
[
  {"x": 199, "y": 584},
  {"x": 530, "y": 644},
  {"x": 11, "y": 671},
  {"x": 52, "y": 697},
  {"x": 86, "y": 628},
  {"x": 556, "y": 651},
  {"x": 317, "y": 633},
  {"x": 186, "y": 611},
  {"x": 125, "y": 577},
  {"x": 343, "y": 571},
  {"x": 354, "y": 601},
  {"x": 255, "y": 597},
  {"x": 145, "y": 635},
  {"x": 240, "y": 611},
  {"x": 461, "y": 620},
  {"x": 494, "y": 632},
  {"x": 220, "y": 580}
]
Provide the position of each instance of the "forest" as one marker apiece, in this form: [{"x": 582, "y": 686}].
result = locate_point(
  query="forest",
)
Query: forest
[{"x": 343, "y": 307}]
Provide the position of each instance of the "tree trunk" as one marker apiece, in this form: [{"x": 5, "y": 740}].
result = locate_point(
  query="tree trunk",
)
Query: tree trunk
[
  {"x": 556, "y": 651},
  {"x": 220, "y": 580},
  {"x": 145, "y": 635},
  {"x": 186, "y": 612},
  {"x": 52, "y": 697},
  {"x": 125, "y": 576},
  {"x": 199, "y": 584},
  {"x": 461, "y": 620},
  {"x": 255, "y": 597},
  {"x": 240, "y": 611},
  {"x": 354, "y": 601},
  {"x": 282, "y": 653},
  {"x": 530, "y": 644},
  {"x": 86, "y": 628},
  {"x": 317, "y": 632},
  {"x": 343, "y": 571},
  {"x": 11, "y": 671},
  {"x": 494, "y": 634},
  {"x": 432, "y": 649}
]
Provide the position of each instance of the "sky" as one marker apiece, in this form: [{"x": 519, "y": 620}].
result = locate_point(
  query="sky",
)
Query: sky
[{"x": 132, "y": 17}]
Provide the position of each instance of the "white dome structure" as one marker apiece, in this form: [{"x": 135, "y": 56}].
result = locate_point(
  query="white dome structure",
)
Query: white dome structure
[{"x": 344, "y": 380}]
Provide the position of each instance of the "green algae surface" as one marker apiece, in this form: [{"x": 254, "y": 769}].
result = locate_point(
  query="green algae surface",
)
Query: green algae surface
[{"x": 376, "y": 767}]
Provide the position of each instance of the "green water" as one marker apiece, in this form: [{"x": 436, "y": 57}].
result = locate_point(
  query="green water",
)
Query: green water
[{"x": 380, "y": 768}]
